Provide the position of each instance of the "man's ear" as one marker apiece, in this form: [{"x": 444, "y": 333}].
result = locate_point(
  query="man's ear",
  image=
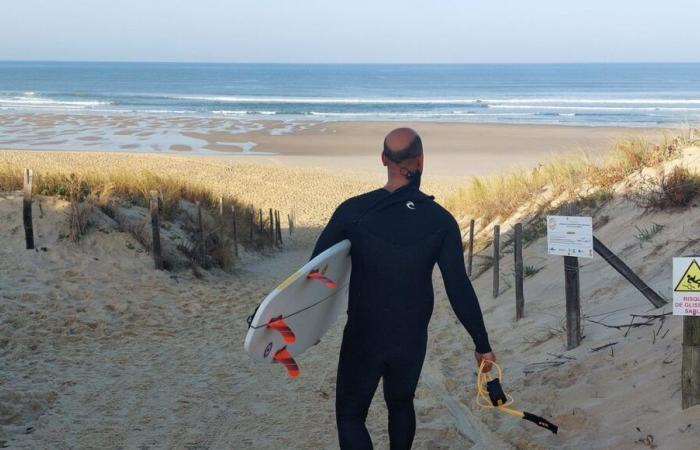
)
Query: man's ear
[{"x": 384, "y": 161}]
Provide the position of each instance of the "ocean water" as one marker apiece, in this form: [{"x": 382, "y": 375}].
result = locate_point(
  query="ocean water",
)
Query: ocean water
[{"x": 575, "y": 94}]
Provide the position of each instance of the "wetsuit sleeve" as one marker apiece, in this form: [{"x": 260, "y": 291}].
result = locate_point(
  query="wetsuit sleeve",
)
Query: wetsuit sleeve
[
  {"x": 332, "y": 234},
  {"x": 459, "y": 289}
]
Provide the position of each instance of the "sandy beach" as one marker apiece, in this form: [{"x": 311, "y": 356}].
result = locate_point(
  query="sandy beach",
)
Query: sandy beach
[
  {"x": 98, "y": 350},
  {"x": 452, "y": 149}
]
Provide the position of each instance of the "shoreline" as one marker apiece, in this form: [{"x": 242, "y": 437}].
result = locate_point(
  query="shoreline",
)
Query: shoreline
[{"x": 452, "y": 148}]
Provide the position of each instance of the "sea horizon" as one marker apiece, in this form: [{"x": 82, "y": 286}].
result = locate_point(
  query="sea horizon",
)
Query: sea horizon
[{"x": 589, "y": 94}]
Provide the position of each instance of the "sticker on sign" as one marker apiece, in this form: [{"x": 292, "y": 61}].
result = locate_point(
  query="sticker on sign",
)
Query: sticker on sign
[
  {"x": 570, "y": 236},
  {"x": 686, "y": 287}
]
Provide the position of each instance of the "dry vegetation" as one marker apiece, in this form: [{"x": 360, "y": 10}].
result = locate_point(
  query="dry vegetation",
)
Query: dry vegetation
[
  {"x": 114, "y": 192},
  {"x": 499, "y": 196}
]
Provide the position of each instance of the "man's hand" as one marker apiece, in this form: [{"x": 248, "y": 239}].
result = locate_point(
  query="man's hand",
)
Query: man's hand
[{"x": 485, "y": 357}]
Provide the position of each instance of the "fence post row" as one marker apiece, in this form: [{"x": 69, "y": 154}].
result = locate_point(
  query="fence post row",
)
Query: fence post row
[
  {"x": 154, "y": 205},
  {"x": 518, "y": 256},
  {"x": 27, "y": 209}
]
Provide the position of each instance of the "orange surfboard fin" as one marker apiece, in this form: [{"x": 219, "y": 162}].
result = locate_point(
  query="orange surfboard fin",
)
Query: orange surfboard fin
[
  {"x": 283, "y": 329},
  {"x": 316, "y": 275},
  {"x": 285, "y": 358}
]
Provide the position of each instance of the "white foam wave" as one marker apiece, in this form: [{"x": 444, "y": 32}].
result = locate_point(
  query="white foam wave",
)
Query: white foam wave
[
  {"x": 414, "y": 114},
  {"x": 30, "y": 100},
  {"x": 594, "y": 108},
  {"x": 227, "y": 112},
  {"x": 596, "y": 101},
  {"x": 327, "y": 100}
]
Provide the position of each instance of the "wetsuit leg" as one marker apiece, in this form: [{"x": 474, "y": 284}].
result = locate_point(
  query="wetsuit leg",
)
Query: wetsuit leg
[
  {"x": 400, "y": 380},
  {"x": 358, "y": 377}
]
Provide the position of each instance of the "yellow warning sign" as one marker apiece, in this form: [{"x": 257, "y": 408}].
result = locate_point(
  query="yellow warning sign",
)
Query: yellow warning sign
[{"x": 690, "y": 280}]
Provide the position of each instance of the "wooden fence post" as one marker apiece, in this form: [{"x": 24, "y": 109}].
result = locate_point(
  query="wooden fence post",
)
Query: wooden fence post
[
  {"x": 272, "y": 229},
  {"x": 496, "y": 256},
  {"x": 155, "y": 230},
  {"x": 279, "y": 227},
  {"x": 200, "y": 235},
  {"x": 27, "y": 209},
  {"x": 235, "y": 232},
  {"x": 262, "y": 228},
  {"x": 252, "y": 222},
  {"x": 690, "y": 369},
  {"x": 572, "y": 288},
  {"x": 221, "y": 206},
  {"x": 470, "y": 249},
  {"x": 518, "y": 255}
]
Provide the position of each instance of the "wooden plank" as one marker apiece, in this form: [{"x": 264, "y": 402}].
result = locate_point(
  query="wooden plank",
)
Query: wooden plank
[
  {"x": 27, "y": 210},
  {"x": 629, "y": 275},
  {"x": 155, "y": 230},
  {"x": 519, "y": 269},
  {"x": 496, "y": 259},
  {"x": 470, "y": 249},
  {"x": 690, "y": 368}
]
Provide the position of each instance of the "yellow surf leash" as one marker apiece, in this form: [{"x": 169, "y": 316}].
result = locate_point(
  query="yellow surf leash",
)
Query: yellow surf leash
[{"x": 490, "y": 394}]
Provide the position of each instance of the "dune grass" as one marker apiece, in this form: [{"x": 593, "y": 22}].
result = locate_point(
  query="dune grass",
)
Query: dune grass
[
  {"x": 128, "y": 186},
  {"x": 501, "y": 195}
]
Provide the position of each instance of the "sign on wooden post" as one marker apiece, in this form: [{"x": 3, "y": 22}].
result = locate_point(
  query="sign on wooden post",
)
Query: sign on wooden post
[
  {"x": 686, "y": 302},
  {"x": 572, "y": 237}
]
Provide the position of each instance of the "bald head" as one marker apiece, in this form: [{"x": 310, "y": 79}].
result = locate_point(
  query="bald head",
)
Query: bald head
[{"x": 402, "y": 144}]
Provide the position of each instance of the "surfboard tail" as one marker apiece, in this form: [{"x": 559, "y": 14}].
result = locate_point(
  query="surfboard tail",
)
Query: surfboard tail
[{"x": 285, "y": 358}]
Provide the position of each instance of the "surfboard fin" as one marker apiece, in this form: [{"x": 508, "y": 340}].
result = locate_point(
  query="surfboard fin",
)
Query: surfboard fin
[
  {"x": 316, "y": 275},
  {"x": 283, "y": 329},
  {"x": 285, "y": 358}
]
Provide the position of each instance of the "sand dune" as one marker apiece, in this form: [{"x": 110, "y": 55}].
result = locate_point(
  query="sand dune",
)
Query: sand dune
[{"x": 100, "y": 351}]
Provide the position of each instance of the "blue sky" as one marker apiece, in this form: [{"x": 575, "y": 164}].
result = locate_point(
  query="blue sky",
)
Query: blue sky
[{"x": 332, "y": 31}]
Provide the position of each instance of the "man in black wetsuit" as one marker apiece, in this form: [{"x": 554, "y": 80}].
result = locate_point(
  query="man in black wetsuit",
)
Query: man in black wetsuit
[{"x": 398, "y": 234}]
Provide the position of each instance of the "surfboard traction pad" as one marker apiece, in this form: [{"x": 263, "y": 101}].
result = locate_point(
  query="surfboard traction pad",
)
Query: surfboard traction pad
[{"x": 278, "y": 324}]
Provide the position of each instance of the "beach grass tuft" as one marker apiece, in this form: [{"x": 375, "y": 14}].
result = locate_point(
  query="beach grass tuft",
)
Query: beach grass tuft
[{"x": 501, "y": 195}]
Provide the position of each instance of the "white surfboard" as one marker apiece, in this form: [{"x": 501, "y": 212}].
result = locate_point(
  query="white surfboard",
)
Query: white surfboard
[{"x": 298, "y": 312}]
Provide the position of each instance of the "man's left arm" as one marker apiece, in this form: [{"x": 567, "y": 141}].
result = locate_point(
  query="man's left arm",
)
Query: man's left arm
[
  {"x": 333, "y": 233},
  {"x": 461, "y": 293}
]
